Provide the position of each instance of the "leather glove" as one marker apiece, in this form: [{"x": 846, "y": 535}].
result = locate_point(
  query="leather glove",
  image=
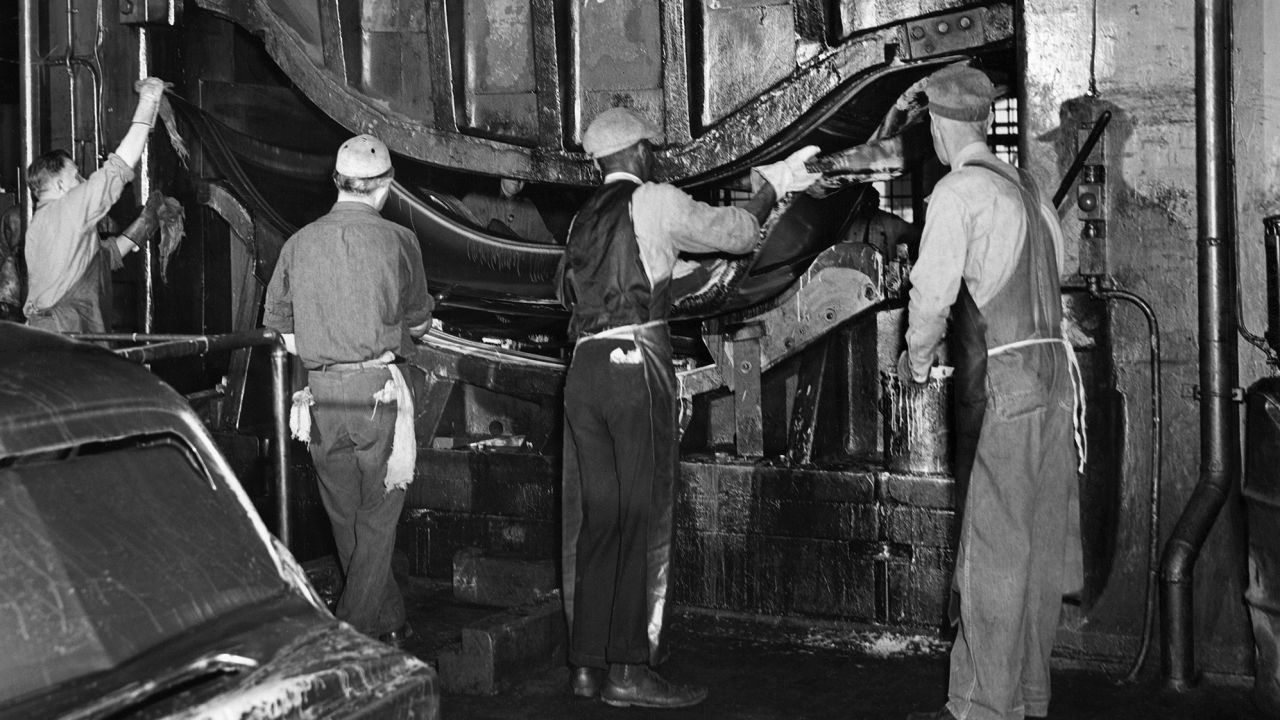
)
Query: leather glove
[
  {"x": 150, "y": 91},
  {"x": 789, "y": 175},
  {"x": 148, "y": 222}
]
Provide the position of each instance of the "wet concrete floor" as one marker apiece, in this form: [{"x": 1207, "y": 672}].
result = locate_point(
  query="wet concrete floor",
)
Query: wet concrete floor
[{"x": 762, "y": 670}]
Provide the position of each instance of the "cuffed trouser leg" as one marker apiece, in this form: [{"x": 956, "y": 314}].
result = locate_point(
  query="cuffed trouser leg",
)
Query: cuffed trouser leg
[
  {"x": 351, "y": 441},
  {"x": 1010, "y": 561},
  {"x": 607, "y": 417},
  {"x": 1046, "y": 582}
]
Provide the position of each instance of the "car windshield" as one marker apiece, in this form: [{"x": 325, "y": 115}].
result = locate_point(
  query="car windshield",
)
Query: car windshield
[{"x": 104, "y": 555}]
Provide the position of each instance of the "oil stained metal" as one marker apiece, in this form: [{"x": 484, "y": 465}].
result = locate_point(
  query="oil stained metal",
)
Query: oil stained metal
[
  {"x": 618, "y": 59},
  {"x": 498, "y": 67},
  {"x": 750, "y": 46},
  {"x": 917, "y": 427}
]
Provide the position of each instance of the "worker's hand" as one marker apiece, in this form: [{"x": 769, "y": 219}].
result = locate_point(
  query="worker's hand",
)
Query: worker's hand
[
  {"x": 905, "y": 374},
  {"x": 151, "y": 88},
  {"x": 790, "y": 175},
  {"x": 150, "y": 91},
  {"x": 417, "y": 331}
]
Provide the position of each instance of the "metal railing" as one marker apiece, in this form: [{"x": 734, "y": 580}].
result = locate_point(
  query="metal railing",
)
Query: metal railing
[{"x": 164, "y": 347}]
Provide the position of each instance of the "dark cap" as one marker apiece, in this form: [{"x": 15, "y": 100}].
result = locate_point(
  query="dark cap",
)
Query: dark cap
[{"x": 959, "y": 92}]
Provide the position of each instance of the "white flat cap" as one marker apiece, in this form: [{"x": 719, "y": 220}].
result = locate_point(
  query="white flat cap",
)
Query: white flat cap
[
  {"x": 615, "y": 129},
  {"x": 363, "y": 156}
]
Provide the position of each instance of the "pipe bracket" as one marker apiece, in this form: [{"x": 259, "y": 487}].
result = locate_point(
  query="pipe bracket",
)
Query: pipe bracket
[{"x": 1195, "y": 393}]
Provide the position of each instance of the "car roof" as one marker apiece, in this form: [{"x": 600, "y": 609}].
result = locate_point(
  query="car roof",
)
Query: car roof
[{"x": 56, "y": 392}]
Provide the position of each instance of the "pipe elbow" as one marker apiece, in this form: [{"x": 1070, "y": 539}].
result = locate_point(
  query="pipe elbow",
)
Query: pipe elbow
[{"x": 1179, "y": 560}]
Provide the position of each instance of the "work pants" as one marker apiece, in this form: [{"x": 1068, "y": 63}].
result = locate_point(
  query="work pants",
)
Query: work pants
[
  {"x": 1016, "y": 555},
  {"x": 80, "y": 310},
  {"x": 620, "y": 466},
  {"x": 350, "y": 443}
]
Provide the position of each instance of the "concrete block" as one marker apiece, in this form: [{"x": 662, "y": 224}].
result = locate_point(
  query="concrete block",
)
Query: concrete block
[
  {"x": 504, "y": 649},
  {"x": 919, "y": 526},
  {"x": 510, "y": 484},
  {"x": 920, "y": 589},
  {"x": 432, "y": 538},
  {"x": 485, "y": 578},
  {"x": 927, "y": 491}
]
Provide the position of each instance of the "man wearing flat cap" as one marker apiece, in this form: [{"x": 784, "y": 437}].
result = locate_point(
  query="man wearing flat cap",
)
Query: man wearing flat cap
[
  {"x": 989, "y": 258},
  {"x": 620, "y": 454},
  {"x": 349, "y": 293}
]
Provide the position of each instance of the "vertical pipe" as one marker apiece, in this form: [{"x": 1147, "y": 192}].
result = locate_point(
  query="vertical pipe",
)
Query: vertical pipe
[
  {"x": 280, "y": 439},
  {"x": 1271, "y": 244},
  {"x": 1219, "y": 441},
  {"x": 26, "y": 36},
  {"x": 73, "y": 89},
  {"x": 144, "y": 192}
]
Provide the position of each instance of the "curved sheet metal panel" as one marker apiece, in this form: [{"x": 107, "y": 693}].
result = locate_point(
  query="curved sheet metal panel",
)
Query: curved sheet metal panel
[
  {"x": 504, "y": 87},
  {"x": 471, "y": 261},
  {"x": 481, "y": 278}
]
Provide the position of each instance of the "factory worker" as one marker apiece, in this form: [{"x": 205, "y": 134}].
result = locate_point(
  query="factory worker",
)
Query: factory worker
[
  {"x": 620, "y": 441},
  {"x": 989, "y": 257},
  {"x": 349, "y": 293},
  {"x": 68, "y": 264}
]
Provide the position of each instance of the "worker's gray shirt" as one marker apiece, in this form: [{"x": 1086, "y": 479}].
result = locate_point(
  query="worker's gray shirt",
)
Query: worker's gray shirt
[
  {"x": 973, "y": 232},
  {"x": 349, "y": 286},
  {"x": 668, "y": 221}
]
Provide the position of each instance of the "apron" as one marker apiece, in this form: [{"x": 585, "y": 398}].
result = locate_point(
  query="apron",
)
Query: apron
[{"x": 1023, "y": 317}]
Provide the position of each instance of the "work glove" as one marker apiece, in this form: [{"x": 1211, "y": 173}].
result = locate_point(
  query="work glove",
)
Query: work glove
[
  {"x": 789, "y": 175},
  {"x": 150, "y": 91},
  {"x": 905, "y": 375},
  {"x": 147, "y": 223}
]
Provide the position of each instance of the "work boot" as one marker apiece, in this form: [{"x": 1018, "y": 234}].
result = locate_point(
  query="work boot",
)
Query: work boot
[
  {"x": 636, "y": 685},
  {"x": 397, "y": 638},
  {"x": 586, "y": 681},
  {"x": 943, "y": 714}
]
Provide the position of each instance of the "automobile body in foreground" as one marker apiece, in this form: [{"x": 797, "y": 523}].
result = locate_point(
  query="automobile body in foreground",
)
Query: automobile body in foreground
[{"x": 136, "y": 579}]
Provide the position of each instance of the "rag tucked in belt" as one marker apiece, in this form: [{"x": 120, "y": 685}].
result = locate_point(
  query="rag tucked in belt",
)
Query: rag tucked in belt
[
  {"x": 1077, "y": 384},
  {"x": 404, "y": 444}
]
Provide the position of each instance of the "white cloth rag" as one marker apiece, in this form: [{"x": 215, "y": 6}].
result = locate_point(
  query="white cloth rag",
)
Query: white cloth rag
[
  {"x": 404, "y": 443},
  {"x": 300, "y": 415}
]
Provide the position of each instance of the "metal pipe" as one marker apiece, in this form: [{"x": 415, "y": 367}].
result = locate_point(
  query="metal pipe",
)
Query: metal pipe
[
  {"x": 96, "y": 78},
  {"x": 26, "y": 35},
  {"x": 1157, "y": 474},
  {"x": 1271, "y": 246},
  {"x": 72, "y": 86},
  {"x": 1095, "y": 289},
  {"x": 280, "y": 439},
  {"x": 1219, "y": 434},
  {"x": 144, "y": 192},
  {"x": 163, "y": 347}
]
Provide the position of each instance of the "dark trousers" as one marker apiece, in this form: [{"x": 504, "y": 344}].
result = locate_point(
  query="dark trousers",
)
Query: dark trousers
[
  {"x": 350, "y": 444},
  {"x": 619, "y": 440}
]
